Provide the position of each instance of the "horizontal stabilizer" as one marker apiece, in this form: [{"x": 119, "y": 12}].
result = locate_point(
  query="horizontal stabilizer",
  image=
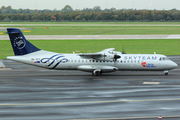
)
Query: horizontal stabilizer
[{"x": 2, "y": 64}]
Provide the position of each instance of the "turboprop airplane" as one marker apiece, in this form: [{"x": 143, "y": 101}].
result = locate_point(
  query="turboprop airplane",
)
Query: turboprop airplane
[{"x": 104, "y": 61}]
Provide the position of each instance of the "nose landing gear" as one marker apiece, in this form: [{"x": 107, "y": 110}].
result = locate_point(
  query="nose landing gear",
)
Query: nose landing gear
[{"x": 166, "y": 72}]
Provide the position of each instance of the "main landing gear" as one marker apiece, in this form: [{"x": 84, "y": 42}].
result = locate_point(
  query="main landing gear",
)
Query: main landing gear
[
  {"x": 166, "y": 72},
  {"x": 96, "y": 73}
]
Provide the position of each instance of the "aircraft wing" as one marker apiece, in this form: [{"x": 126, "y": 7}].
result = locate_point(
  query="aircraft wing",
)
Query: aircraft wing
[
  {"x": 97, "y": 55},
  {"x": 91, "y": 55},
  {"x": 107, "y": 50}
]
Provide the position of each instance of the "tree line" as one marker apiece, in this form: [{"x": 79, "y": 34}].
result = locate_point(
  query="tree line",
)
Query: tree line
[{"x": 8, "y": 14}]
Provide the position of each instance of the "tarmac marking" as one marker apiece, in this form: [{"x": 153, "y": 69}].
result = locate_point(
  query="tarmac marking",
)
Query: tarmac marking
[
  {"x": 126, "y": 118},
  {"x": 151, "y": 83},
  {"x": 88, "y": 102}
]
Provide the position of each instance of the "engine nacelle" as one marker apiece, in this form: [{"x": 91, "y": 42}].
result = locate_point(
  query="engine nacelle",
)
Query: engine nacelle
[{"x": 109, "y": 57}]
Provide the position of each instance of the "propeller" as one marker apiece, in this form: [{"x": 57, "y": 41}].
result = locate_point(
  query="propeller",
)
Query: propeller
[
  {"x": 104, "y": 56},
  {"x": 123, "y": 51},
  {"x": 116, "y": 57}
]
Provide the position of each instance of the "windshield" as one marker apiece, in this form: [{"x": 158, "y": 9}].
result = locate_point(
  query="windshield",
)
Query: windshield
[{"x": 163, "y": 58}]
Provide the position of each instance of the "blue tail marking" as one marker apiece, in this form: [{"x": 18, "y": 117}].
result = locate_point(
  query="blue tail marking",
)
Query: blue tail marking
[{"x": 19, "y": 43}]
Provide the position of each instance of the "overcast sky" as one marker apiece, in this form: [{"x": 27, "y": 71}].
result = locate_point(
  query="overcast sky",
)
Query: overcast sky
[{"x": 80, "y": 4}]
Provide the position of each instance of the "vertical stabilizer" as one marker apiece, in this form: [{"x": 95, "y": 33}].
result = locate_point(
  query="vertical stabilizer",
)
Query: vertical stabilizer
[{"x": 19, "y": 43}]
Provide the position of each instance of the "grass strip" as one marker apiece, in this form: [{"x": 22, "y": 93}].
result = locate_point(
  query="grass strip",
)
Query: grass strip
[
  {"x": 162, "y": 46},
  {"x": 99, "y": 30},
  {"x": 149, "y": 23}
]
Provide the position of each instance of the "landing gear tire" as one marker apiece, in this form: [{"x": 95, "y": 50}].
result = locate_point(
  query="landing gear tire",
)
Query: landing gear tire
[
  {"x": 166, "y": 73},
  {"x": 96, "y": 73}
]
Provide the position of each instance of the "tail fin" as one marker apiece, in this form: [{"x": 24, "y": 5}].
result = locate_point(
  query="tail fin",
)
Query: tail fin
[{"x": 19, "y": 43}]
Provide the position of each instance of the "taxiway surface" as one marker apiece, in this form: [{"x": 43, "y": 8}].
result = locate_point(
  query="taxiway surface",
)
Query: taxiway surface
[
  {"x": 94, "y": 37},
  {"x": 29, "y": 92},
  {"x": 90, "y": 37}
]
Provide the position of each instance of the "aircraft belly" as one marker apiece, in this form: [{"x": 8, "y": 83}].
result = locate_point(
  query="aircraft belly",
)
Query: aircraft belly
[{"x": 66, "y": 66}]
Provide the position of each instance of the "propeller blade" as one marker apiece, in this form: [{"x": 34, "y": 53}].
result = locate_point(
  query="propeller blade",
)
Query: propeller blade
[
  {"x": 116, "y": 57},
  {"x": 123, "y": 51}
]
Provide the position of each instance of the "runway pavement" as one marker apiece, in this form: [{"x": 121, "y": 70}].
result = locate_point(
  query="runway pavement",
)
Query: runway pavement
[
  {"x": 29, "y": 92},
  {"x": 5, "y": 28},
  {"x": 93, "y": 37},
  {"x": 88, "y": 37}
]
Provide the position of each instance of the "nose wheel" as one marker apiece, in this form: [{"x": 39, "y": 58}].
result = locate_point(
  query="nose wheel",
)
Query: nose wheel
[{"x": 166, "y": 72}]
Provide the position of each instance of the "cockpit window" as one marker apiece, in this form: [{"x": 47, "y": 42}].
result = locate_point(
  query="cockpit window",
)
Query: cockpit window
[
  {"x": 166, "y": 58},
  {"x": 163, "y": 58}
]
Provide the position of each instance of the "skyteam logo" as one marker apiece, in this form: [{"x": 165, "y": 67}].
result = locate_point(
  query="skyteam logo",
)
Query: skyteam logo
[
  {"x": 54, "y": 61},
  {"x": 19, "y": 42},
  {"x": 144, "y": 64}
]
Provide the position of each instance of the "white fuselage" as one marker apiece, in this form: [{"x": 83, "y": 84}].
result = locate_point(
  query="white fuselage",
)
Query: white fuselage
[{"x": 51, "y": 60}]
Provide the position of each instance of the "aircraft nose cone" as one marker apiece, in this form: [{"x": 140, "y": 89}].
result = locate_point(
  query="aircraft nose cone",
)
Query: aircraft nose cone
[{"x": 174, "y": 65}]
